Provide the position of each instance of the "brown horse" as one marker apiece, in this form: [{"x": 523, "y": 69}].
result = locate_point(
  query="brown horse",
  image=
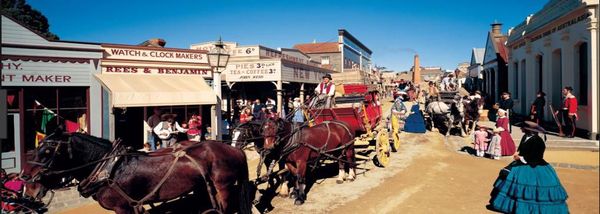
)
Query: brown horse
[
  {"x": 136, "y": 178},
  {"x": 299, "y": 148}
]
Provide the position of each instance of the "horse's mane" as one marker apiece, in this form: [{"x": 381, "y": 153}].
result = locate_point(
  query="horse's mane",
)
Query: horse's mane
[
  {"x": 106, "y": 144},
  {"x": 95, "y": 147}
]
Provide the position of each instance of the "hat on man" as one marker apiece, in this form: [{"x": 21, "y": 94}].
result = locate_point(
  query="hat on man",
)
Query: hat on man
[
  {"x": 168, "y": 116},
  {"x": 531, "y": 126},
  {"x": 328, "y": 76}
]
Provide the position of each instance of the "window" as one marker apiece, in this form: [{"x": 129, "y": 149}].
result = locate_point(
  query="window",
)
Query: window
[
  {"x": 516, "y": 80},
  {"x": 324, "y": 60},
  {"x": 70, "y": 103},
  {"x": 582, "y": 64}
]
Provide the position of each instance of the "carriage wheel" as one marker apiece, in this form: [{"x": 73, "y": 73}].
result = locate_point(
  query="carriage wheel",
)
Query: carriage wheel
[{"x": 382, "y": 150}]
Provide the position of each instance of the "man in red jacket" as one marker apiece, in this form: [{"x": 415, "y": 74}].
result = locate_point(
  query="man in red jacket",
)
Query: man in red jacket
[{"x": 569, "y": 111}]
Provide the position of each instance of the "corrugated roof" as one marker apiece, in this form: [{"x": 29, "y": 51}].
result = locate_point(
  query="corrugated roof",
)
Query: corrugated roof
[{"x": 323, "y": 47}]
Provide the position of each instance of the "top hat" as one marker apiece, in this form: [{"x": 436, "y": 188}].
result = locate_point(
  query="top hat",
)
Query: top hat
[{"x": 327, "y": 76}]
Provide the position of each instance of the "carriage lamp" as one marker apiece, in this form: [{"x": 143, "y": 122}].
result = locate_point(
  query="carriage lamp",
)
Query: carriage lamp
[{"x": 217, "y": 59}]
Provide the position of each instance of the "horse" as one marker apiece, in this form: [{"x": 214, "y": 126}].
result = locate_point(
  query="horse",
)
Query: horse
[
  {"x": 471, "y": 115},
  {"x": 457, "y": 115},
  {"x": 246, "y": 133},
  {"x": 135, "y": 178},
  {"x": 300, "y": 147}
]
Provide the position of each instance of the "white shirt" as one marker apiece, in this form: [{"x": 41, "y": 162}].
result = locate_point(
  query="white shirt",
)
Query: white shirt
[
  {"x": 159, "y": 127},
  {"x": 331, "y": 90}
]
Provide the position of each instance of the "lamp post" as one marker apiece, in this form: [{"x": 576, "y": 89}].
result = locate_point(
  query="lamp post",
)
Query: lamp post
[{"x": 217, "y": 58}]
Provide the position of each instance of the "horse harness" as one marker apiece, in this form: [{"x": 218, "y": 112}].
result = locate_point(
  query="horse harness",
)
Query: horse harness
[{"x": 102, "y": 174}]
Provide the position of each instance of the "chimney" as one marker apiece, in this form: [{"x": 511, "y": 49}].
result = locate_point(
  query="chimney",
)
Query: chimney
[
  {"x": 416, "y": 75},
  {"x": 496, "y": 28},
  {"x": 156, "y": 42}
]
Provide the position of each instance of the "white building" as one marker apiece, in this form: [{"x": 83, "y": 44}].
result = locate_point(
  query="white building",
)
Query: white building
[{"x": 553, "y": 48}]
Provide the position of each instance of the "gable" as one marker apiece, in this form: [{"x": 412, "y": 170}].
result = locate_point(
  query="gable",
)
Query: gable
[
  {"x": 473, "y": 60},
  {"x": 490, "y": 50},
  {"x": 15, "y": 33}
]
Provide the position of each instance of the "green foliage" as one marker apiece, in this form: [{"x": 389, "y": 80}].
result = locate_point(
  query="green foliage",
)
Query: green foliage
[{"x": 22, "y": 12}]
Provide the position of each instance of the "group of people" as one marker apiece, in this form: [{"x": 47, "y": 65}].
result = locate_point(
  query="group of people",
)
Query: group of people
[
  {"x": 166, "y": 131},
  {"x": 495, "y": 141},
  {"x": 567, "y": 113},
  {"x": 249, "y": 111}
]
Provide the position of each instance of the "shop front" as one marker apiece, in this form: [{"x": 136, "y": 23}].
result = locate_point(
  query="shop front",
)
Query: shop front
[
  {"x": 257, "y": 72},
  {"x": 137, "y": 80},
  {"x": 48, "y": 85}
]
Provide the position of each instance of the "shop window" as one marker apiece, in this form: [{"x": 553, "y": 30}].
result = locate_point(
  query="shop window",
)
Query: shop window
[
  {"x": 68, "y": 103},
  {"x": 516, "y": 80},
  {"x": 324, "y": 60}
]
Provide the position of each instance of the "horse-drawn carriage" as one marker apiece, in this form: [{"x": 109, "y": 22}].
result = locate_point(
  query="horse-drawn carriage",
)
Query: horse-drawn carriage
[{"x": 360, "y": 108}]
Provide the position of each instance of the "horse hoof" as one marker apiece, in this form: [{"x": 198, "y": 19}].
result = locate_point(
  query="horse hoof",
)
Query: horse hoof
[
  {"x": 351, "y": 179},
  {"x": 298, "y": 202},
  {"x": 293, "y": 196},
  {"x": 339, "y": 181}
]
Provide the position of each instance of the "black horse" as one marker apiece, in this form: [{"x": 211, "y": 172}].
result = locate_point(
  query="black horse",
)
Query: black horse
[{"x": 122, "y": 180}]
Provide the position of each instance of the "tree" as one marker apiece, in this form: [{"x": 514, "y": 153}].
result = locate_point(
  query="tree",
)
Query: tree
[{"x": 22, "y": 12}]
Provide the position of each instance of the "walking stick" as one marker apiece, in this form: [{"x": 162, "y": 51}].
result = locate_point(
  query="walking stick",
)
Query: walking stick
[{"x": 558, "y": 123}]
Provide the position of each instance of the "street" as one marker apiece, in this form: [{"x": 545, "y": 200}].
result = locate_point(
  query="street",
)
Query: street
[{"x": 429, "y": 174}]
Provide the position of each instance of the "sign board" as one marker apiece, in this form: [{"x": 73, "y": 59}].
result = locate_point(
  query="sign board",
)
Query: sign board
[
  {"x": 253, "y": 71},
  {"x": 166, "y": 55},
  {"x": 140, "y": 70},
  {"x": 299, "y": 74},
  {"x": 231, "y": 49},
  {"x": 3, "y": 119},
  {"x": 40, "y": 73}
]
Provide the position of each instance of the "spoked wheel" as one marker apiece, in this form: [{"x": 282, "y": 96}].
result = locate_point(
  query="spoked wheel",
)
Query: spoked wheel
[{"x": 382, "y": 150}]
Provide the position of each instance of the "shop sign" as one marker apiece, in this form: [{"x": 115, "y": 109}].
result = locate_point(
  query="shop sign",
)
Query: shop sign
[
  {"x": 30, "y": 73},
  {"x": 184, "y": 56},
  {"x": 232, "y": 50},
  {"x": 298, "y": 74},
  {"x": 206, "y": 73},
  {"x": 253, "y": 71}
]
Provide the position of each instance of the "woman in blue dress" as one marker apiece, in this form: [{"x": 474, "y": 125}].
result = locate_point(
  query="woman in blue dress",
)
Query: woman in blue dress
[
  {"x": 529, "y": 184},
  {"x": 415, "y": 122}
]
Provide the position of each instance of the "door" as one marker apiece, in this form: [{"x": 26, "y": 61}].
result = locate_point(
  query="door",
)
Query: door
[{"x": 11, "y": 146}]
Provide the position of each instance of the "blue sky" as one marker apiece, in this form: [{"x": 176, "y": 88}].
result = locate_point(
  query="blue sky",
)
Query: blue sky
[{"x": 442, "y": 32}]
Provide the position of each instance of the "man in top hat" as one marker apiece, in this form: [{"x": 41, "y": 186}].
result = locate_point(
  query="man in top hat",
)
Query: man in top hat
[{"x": 325, "y": 90}]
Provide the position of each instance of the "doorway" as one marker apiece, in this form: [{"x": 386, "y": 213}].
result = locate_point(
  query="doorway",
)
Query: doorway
[
  {"x": 129, "y": 126},
  {"x": 11, "y": 146}
]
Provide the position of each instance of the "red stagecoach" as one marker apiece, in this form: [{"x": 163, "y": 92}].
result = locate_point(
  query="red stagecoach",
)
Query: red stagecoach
[{"x": 359, "y": 106}]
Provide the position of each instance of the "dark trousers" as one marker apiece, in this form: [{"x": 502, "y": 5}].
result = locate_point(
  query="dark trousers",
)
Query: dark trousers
[{"x": 569, "y": 121}]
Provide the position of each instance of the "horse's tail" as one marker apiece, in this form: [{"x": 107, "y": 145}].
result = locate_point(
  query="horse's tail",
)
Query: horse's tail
[{"x": 245, "y": 191}]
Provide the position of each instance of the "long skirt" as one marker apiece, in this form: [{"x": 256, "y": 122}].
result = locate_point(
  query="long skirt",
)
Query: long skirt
[{"x": 522, "y": 188}]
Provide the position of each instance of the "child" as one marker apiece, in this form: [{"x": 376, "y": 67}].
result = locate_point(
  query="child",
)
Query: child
[
  {"x": 495, "y": 149},
  {"x": 481, "y": 140}
]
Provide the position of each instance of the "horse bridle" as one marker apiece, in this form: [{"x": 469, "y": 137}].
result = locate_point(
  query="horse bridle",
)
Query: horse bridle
[{"x": 56, "y": 144}]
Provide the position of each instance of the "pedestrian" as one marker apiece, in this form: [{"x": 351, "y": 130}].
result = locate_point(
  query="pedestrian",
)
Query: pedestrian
[
  {"x": 194, "y": 132},
  {"x": 495, "y": 145},
  {"x": 536, "y": 113},
  {"x": 153, "y": 121},
  {"x": 415, "y": 122},
  {"x": 481, "y": 139},
  {"x": 168, "y": 129},
  {"x": 246, "y": 115},
  {"x": 261, "y": 115},
  {"x": 324, "y": 92},
  {"x": 290, "y": 104},
  {"x": 529, "y": 184},
  {"x": 256, "y": 107},
  {"x": 569, "y": 112},
  {"x": 271, "y": 104},
  {"x": 507, "y": 143},
  {"x": 433, "y": 90},
  {"x": 507, "y": 104},
  {"x": 298, "y": 118}
]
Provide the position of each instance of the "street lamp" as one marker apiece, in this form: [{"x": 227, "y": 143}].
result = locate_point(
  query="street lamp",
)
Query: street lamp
[{"x": 217, "y": 58}]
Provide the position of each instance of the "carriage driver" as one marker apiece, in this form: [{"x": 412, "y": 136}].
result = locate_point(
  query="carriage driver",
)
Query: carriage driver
[{"x": 325, "y": 91}]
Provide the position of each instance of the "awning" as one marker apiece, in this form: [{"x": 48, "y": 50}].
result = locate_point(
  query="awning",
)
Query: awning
[{"x": 129, "y": 90}]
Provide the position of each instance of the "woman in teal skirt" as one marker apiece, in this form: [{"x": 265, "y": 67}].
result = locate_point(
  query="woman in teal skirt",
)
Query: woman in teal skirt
[{"x": 529, "y": 184}]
